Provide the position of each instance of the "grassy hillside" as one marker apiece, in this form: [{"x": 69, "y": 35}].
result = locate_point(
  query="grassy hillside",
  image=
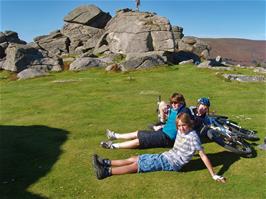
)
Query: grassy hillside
[
  {"x": 239, "y": 51},
  {"x": 51, "y": 126}
]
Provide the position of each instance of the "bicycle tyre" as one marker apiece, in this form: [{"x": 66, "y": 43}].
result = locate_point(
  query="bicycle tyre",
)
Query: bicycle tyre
[
  {"x": 244, "y": 133},
  {"x": 240, "y": 147}
]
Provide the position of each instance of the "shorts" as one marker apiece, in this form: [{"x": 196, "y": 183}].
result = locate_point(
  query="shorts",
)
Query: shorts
[
  {"x": 154, "y": 139},
  {"x": 155, "y": 162}
]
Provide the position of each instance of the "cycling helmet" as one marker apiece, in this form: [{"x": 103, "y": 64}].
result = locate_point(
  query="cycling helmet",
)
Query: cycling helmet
[{"x": 204, "y": 101}]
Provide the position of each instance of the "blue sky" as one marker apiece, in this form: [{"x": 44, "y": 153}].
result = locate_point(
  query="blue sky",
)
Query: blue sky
[{"x": 199, "y": 18}]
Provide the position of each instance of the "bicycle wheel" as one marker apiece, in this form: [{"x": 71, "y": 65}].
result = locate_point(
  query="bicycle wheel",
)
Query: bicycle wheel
[
  {"x": 244, "y": 133},
  {"x": 233, "y": 144}
]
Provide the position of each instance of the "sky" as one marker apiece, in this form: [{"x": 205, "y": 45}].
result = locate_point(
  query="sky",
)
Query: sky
[{"x": 200, "y": 18}]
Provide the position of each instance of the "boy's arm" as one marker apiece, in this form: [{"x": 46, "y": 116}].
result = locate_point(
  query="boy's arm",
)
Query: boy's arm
[{"x": 208, "y": 164}]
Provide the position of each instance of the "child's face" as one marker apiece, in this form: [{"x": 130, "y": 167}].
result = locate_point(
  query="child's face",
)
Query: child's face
[
  {"x": 182, "y": 127},
  {"x": 202, "y": 109}
]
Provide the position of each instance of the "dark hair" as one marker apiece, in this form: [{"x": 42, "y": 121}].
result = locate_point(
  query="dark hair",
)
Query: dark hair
[
  {"x": 185, "y": 118},
  {"x": 177, "y": 97}
]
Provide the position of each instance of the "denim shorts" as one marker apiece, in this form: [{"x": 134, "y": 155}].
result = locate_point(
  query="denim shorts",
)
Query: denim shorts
[{"x": 155, "y": 162}]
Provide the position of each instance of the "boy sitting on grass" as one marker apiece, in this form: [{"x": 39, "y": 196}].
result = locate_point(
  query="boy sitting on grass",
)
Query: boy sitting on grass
[{"x": 186, "y": 144}]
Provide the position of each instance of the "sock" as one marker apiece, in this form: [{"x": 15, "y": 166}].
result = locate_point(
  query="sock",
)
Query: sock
[
  {"x": 115, "y": 146},
  {"x": 117, "y": 135}
]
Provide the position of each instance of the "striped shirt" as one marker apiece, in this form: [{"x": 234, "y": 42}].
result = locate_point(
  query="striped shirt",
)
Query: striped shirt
[{"x": 184, "y": 148}]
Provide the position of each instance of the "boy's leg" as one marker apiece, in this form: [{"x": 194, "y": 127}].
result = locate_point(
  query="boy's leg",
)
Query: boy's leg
[
  {"x": 125, "y": 161},
  {"x": 111, "y": 135},
  {"x": 131, "y": 168},
  {"x": 127, "y": 136},
  {"x": 131, "y": 144}
]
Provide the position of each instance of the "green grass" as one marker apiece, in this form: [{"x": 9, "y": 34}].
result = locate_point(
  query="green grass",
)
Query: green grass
[{"x": 49, "y": 130}]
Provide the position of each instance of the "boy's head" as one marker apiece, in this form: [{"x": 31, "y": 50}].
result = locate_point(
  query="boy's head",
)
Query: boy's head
[
  {"x": 184, "y": 123},
  {"x": 177, "y": 100},
  {"x": 203, "y": 106}
]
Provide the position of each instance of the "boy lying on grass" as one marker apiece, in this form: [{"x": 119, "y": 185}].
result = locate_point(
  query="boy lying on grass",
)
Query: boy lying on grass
[{"x": 186, "y": 144}]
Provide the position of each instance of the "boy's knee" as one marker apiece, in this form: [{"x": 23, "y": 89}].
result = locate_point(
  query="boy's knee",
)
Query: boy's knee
[{"x": 133, "y": 159}]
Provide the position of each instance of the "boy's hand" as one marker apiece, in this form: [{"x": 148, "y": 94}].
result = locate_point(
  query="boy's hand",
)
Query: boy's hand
[{"x": 219, "y": 178}]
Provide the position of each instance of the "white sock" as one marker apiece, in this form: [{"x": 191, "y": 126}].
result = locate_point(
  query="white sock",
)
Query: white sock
[
  {"x": 117, "y": 135},
  {"x": 115, "y": 145}
]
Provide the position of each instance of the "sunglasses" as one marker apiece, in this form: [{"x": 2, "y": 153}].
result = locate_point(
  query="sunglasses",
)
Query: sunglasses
[{"x": 174, "y": 102}]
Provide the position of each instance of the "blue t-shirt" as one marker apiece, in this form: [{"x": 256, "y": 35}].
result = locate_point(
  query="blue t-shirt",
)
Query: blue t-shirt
[{"x": 170, "y": 127}]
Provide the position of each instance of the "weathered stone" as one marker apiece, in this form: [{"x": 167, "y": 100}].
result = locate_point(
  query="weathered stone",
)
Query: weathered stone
[
  {"x": 31, "y": 73},
  {"x": 244, "y": 78},
  {"x": 2, "y": 37},
  {"x": 162, "y": 40},
  {"x": 130, "y": 32},
  {"x": 101, "y": 49},
  {"x": 49, "y": 64},
  {"x": 89, "y": 15},
  {"x": 81, "y": 35},
  {"x": 55, "y": 43},
  {"x": 204, "y": 64},
  {"x": 190, "y": 61},
  {"x": 259, "y": 70},
  {"x": 12, "y": 37},
  {"x": 144, "y": 61},
  {"x": 2, "y": 61},
  {"x": 86, "y": 63},
  {"x": 205, "y": 54},
  {"x": 178, "y": 34},
  {"x": 7, "y": 38},
  {"x": 4, "y": 45},
  {"x": 194, "y": 45},
  {"x": 189, "y": 40},
  {"x": 19, "y": 57},
  {"x": 123, "y": 42}
]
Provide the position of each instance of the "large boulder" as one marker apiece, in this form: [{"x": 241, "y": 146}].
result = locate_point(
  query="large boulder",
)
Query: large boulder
[
  {"x": 178, "y": 34},
  {"x": 48, "y": 64},
  {"x": 85, "y": 63},
  {"x": 82, "y": 38},
  {"x": 6, "y": 38},
  {"x": 143, "y": 60},
  {"x": 89, "y": 15},
  {"x": 54, "y": 44},
  {"x": 139, "y": 32},
  {"x": 19, "y": 57},
  {"x": 194, "y": 45},
  {"x": 31, "y": 73}
]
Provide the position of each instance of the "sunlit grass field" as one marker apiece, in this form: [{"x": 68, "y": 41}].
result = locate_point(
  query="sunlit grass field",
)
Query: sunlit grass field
[{"x": 51, "y": 126}]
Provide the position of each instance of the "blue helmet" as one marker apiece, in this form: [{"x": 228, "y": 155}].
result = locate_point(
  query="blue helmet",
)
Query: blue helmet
[{"x": 204, "y": 101}]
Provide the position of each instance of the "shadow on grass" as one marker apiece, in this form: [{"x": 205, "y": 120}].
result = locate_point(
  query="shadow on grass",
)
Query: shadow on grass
[
  {"x": 224, "y": 158},
  {"x": 27, "y": 153}
]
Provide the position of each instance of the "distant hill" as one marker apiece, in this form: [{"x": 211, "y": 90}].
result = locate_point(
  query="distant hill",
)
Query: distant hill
[{"x": 239, "y": 51}]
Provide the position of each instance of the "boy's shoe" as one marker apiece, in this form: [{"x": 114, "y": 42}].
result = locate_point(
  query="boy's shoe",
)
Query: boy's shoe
[
  {"x": 102, "y": 161},
  {"x": 100, "y": 170},
  {"x": 107, "y": 144},
  {"x": 110, "y": 134}
]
